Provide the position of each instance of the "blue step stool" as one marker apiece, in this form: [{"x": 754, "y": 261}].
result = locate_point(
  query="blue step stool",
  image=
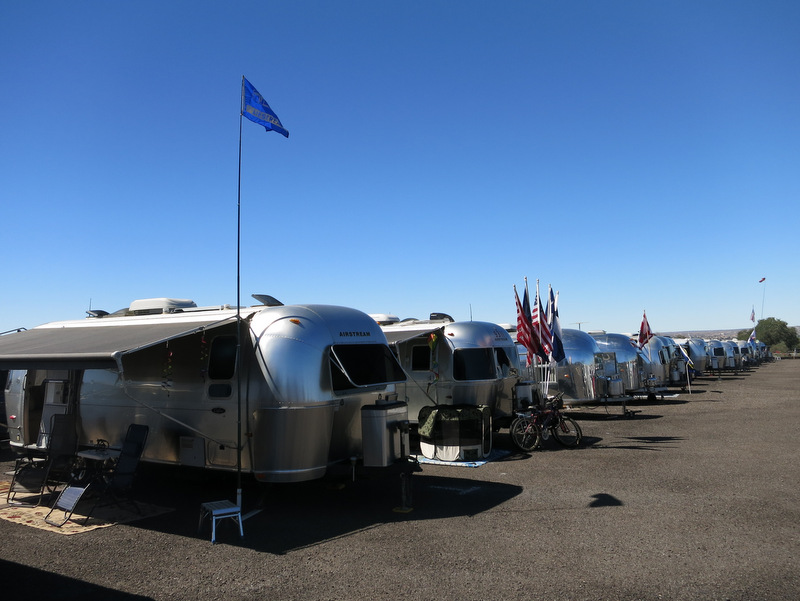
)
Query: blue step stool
[{"x": 220, "y": 510}]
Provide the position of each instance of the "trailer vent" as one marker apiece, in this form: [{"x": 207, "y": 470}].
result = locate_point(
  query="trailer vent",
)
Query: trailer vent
[{"x": 156, "y": 306}]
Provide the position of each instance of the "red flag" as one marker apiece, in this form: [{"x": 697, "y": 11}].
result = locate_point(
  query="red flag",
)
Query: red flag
[
  {"x": 645, "y": 333},
  {"x": 761, "y": 280}
]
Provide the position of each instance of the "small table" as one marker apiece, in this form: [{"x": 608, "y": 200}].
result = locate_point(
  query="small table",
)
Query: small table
[
  {"x": 219, "y": 510},
  {"x": 99, "y": 454},
  {"x": 95, "y": 461}
]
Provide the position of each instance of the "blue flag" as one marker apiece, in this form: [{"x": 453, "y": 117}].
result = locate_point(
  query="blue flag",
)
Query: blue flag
[
  {"x": 555, "y": 326},
  {"x": 255, "y": 108}
]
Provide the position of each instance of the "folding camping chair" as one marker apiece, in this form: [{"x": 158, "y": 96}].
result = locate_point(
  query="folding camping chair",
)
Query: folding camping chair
[
  {"x": 37, "y": 476},
  {"x": 67, "y": 501},
  {"x": 106, "y": 487},
  {"x": 112, "y": 487}
]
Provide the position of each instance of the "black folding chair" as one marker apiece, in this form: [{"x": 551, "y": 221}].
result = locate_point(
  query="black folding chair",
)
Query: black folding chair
[
  {"x": 36, "y": 476},
  {"x": 104, "y": 488},
  {"x": 114, "y": 486},
  {"x": 67, "y": 501}
]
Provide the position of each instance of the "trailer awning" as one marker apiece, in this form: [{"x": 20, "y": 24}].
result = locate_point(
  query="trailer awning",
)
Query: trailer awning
[
  {"x": 91, "y": 346},
  {"x": 398, "y": 336}
]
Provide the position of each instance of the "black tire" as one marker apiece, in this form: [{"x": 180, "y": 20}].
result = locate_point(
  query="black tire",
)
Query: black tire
[
  {"x": 525, "y": 435},
  {"x": 567, "y": 432}
]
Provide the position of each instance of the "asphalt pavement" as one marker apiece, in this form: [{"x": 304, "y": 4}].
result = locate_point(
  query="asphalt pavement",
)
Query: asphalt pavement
[{"x": 695, "y": 498}]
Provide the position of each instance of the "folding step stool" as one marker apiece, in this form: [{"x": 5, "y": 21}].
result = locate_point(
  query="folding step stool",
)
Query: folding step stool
[{"x": 219, "y": 510}]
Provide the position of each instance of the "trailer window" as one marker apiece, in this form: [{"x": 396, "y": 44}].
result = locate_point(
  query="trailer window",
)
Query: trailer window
[
  {"x": 474, "y": 364},
  {"x": 420, "y": 358},
  {"x": 222, "y": 358},
  {"x": 363, "y": 365}
]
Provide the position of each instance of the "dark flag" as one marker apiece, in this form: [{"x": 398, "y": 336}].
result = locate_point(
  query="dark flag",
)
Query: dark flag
[
  {"x": 554, "y": 323},
  {"x": 540, "y": 328},
  {"x": 645, "y": 333}
]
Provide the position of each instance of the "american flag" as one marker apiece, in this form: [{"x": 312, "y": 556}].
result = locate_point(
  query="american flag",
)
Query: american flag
[
  {"x": 645, "y": 333},
  {"x": 541, "y": 330},
  {"x": 524, "y": 325},
  {"x": 753, "y": 315}
]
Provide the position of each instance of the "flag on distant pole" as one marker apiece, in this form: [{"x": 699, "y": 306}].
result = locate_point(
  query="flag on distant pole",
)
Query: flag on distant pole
[
  {"x": 753, "y": 314},
  {"x": 645, "y": 333},
  {"x": 752, "y": 336},
  {"x": 554, "y": 323},
  {"x": 761, "y": 280},
  {"x": 255, "y": 108}
]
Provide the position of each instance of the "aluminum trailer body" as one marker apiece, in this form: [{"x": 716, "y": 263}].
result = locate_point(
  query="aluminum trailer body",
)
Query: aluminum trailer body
[
  {"x": 586, "y": 375},
  {"x": 304, "y": 373},
  {"x": 698, "y": 353},
  {"x": 455, "y": 363},
  {"x": 667, "y": 360},
  {"x": 716, "y": 354},
  {"x": 630, "y": 362},
  {"x": 733, "y": 357},
  {"x": 747, "y": 351}
]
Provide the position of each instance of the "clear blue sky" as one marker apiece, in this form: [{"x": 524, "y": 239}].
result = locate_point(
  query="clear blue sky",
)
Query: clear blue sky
[{"x": 634, "y": 154}]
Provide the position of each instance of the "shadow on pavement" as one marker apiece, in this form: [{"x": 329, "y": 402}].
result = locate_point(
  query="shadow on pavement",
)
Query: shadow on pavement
[
  {"x": 645, "y": 443},
  {"x": 23, "y": 582},
  {"x": 283, "y": 517}
]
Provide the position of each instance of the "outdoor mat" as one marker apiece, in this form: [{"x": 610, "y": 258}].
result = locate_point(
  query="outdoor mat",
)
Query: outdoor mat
[
  {"x": 493, "y": 456},
  {"x": 102, "y": 517}
]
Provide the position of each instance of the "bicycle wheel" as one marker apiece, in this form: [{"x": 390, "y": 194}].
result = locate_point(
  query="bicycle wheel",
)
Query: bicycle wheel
[
  {"x": 525, "y": 434},
  {"x": 567, "y": 432}
]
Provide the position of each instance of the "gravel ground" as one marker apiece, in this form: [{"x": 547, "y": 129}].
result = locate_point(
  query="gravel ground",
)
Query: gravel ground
[{"x": 696, "y": 498}]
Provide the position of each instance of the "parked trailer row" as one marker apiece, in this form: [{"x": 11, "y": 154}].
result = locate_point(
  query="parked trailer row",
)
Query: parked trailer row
[{"x": 282, "y": 392}]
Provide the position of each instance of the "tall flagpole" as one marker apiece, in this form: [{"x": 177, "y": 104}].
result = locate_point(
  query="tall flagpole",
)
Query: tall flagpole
[
  {"x": 259, "y": 112},
  {"x": 239, "y": 315}
]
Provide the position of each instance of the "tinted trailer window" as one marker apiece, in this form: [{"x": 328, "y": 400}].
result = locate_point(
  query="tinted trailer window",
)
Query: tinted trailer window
[
  {"x": 363, "y": 366},
  {"x": 474, "y": 364}
]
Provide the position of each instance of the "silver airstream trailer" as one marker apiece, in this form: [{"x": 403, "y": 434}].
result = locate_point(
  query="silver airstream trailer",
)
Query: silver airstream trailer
[
  {"x": 306, "y": 372},
  {"x": 677, "y": 364},
  {"x": 717, "y": 355},
  {"x": 666, "y": 360},
  {"x": 453, "y": 363},
  {"x": 698, "y": 353},
  {"x": 586, "y": 375},
  {"x": 747, "y": 352},
  {"x": 630, "y": 363},
  {"x": 734, "y": 358}
]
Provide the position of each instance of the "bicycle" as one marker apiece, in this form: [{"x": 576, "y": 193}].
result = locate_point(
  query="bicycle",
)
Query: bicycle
[{"x": 534, "y": 425}]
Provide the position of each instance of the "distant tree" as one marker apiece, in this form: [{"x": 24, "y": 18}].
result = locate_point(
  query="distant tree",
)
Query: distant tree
[
  {"x": 743, "y": 334},
  {"x": 772, "y": 331}
]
